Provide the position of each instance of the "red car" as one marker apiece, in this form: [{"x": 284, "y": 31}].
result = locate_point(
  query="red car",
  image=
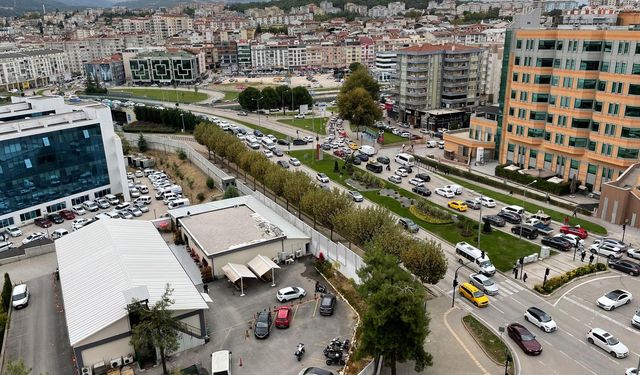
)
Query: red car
[
  {"x": 42, "y": 222},
  {"x": 525, "y": 339},
  {"x": 283, "y": 316},
  {"x": 67, "y": 215},
  {"x": 339, "y": 153},
  {"x": 577, "y": 230}
]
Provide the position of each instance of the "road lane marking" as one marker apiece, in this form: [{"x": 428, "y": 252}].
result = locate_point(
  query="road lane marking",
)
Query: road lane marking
[
  {"x": 494, "y": 306},
  {"x": 596, "y": 312},
  {"x": 581, "y": 284},
  {"x": 473, "y": 358}
]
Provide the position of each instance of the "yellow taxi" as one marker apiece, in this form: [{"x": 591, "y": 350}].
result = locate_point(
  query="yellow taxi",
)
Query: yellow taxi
[
  {"x": 457, "y": 205},
  {"x": 354, "y": 146},
  {"x": 473, "y": 294}
]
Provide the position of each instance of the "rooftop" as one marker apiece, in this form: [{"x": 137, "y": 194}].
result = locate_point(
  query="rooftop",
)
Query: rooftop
[{"x": 28, "y": 53}]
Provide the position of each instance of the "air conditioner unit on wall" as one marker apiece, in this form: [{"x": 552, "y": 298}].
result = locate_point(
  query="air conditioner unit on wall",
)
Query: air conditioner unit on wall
[
  {"x": 127, "y": 360},
  {"x": 298, "y": 253},
  {"x": 86, "y": 371},
  {"x": 116, "y": 362}
]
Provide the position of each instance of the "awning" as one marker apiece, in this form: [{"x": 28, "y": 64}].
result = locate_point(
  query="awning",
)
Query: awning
[
  {"x": 261, "y": 265},
  {"x": 235, "y": 272},
  {"x": 555, "y": 180},
  {"x": 512, "y": 167}
]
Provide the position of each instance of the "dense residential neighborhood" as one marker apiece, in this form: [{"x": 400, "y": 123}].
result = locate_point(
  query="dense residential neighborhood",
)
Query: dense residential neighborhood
[{"x": 319, "y": 188}]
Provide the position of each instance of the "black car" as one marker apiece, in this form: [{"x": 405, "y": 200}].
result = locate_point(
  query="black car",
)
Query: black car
[
  {"x": 283, "y": 142},
  {"x": 374, "y": 167},
  {"x": 258, "y": 133},
  {"x": 421, "y": 190},
  {"x": 494, "y": 220},
  {"x": 626, "y": 266},
  {"x": 363, "y": 157},
  {"x": 299, "y": 142},
  {"x": 424, "y": 177},
  {"x": 557, "y": 243},
  {"x": 57, "y": 219},
  {"x": 510, "y": 217},
  {"x": 524, "y": 230},
  {"x": 263, "y": 325},
  {"x": 328, "y": 304},
  {"x": 355, "y": 161},
  {"x": 383, "y": 160}
]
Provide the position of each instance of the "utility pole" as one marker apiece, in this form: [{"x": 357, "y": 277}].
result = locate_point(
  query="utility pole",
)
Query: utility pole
[{"x": 480, "y": 222}]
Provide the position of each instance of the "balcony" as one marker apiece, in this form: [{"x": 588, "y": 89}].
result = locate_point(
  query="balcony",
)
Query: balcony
[
  {"x": 455, "y": 101},
  {"x": 524, "y": 139},
  {"x": 455, "y": 84},
  {"x": 414, "y": 102},
  {"x": 417, "y": 78},
  {"x": 457, "y": 59},
  {"x": 417, "y": 69},
  {"x": 416, "y": 94},
  {"x": 453, "y": 68},
  {"x": 565, "y": 149},
  {"x": 456, "y": 76},
  {"x": 411, "y": 85}
]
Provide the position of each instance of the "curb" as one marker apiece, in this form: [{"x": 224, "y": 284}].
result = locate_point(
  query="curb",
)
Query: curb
[
  {"x": 4, "y": 340},
  {"x": 480, "y": 345}
]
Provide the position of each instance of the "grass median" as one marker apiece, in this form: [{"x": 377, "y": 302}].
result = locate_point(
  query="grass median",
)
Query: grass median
[
  {"x": 503, "y": 248},
  {"x": 316, "y": 124},
  {"x": 180, "y": 96},
  {"x": 264, "y": 130},
  {"x": 493, "y": 345},
  {"x": 530, "y": 207}
]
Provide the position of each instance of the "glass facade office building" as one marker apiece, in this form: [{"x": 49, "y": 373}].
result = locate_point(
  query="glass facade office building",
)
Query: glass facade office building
[{"x": 42, "y": 168}]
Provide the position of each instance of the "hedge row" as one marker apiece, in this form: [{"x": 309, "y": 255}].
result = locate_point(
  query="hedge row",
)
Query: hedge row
[
  {"x": 558, "y": 281},
  {"x": 557, "y": 189},
  {"x": 491, "y": 182},
  {"x": 147, "y": 127}
]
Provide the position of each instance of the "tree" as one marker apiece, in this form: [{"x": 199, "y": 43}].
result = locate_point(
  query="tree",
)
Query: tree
[
  {"x": 231, "y": 192},
  {"x": 16, "y": 368},
  {"x": 324, "y": 205},
  {"x": 275, "y": 178},
  {"x": 301, "y": 96},
  {"x": 270, "y": 98},
  {"x": 7, "y": 287},
  {"x": 361, "y": 224},
  {"x": 355, "y": 66},
  {"x": 157, "y": 326},
  {"x": 283, "y": 93},
  {"x": 361, "y": 78},
  {"x": 391, "y": 239},
  {"x": 426, "y": 260},
  {"x": 126, "y": 146},
  {"x": 296, "y": 186},
  {"x": 142, "y": 143},
  {"x": 248, "y": 98},
  {"x": 357, "y": 107},
  {"x": 486, "y": 227},
  {"x": 210, "y": 183},
  {"x": 92, "y": 86}
]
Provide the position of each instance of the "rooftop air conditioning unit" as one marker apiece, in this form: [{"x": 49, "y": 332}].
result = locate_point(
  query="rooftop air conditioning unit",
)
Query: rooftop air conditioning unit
[
  {"x": 86, "y": 371},
  {"x": 298, "y": 253},
  {"x": 127, "y": 360},
  {"x": 116, "y": 362}
]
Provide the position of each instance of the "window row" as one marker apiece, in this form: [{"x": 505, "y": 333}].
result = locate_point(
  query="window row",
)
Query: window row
[{"x": 615, "y": 47}]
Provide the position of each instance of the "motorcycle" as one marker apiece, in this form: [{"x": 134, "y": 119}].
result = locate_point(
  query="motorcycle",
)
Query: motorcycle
[
  {"x": 299, "y": 351},
  {"x": 321, "y": 288},
  {"x": 335, "y": 358}
]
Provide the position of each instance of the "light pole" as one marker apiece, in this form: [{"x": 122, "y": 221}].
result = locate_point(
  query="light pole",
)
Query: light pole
[
  {"x": 182, "y": 117},
  {"x": 480, "y": 220},
  {"x": 455, "y": 281},
  {"x": 624, "y": 228},
  {"x": 524, "y": 197},
  {"x": 258, "y": 103}
]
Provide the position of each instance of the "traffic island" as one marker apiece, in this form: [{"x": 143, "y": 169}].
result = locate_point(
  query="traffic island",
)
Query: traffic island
[{"x": 491, "y": 344}]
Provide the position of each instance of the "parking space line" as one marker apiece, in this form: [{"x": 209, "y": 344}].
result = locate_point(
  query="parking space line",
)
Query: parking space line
[{"x": 316, "y": 307}]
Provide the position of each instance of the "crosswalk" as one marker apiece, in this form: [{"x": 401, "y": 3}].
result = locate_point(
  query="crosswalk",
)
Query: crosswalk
[{"x": 506, "y": 288}]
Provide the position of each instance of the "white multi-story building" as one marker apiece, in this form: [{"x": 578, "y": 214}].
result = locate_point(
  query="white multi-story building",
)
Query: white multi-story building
[
  {"x": 297, "y": 56},
  {"x": 82, "y": 51},
  {"x": 54, "y": 156},
  {"x": 385, "y": 66},
  {"x": 269, "y": 56},
  {"x": 32, "y": 68}
]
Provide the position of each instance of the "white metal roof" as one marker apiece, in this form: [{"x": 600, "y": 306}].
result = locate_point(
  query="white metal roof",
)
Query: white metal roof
[
  {"x": 108, "y": 260},
  {"x": 235, "y": 272},
  {"x": 261, "y": 264}
]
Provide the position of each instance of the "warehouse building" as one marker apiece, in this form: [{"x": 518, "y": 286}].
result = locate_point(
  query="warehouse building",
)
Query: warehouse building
[{"x": 103, "y": 268}]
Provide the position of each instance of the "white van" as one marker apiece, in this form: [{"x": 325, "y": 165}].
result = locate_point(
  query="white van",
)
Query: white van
[
  {"x": 176, "y": 203},
  {"x": 267, "y": 143},
  {"x": 145, "y": 199},
  {"x": 221, "y": 363},
  {"x": 472, "y": 257},
  {"x": 405, "y": 160},
  {"x": 514, "y": 209},
  {"x": 167, "y": 197},
  {"x": 59, "y": 233},
  {"x": 432, "y": 144},
  {"x": 457, "y": 189},
  {"x": 368, "y": 150}
]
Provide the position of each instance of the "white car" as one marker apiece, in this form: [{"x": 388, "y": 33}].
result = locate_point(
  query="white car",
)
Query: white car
[
  {"x": 102, "y": 203},
  {"x": 272, "y": 137},
  {"x": 139, "y": 173},
  {"x": 484, "y": 283},
  {"x": 14, "y": 231},
  {"x": 606, "y": 250},
  {"x": 487, "y": 202},
  {"x": 135, "y": 211},
  {"x": 299, "y": 115},
  {"x": 20, "y": 296},
  {"x": 322, "y": 178},
  {"x": 355, "y": 195},
  {"x": 78, "y": 210},
  {"x": 607, "y": 342},
  {"x": 79, "y": 223},
  {"x": 135, "y": 193},
  {"x": 90, "y": 206},
  {"x": 631, "y": 371},
  {"x": 401, "y": 172},
  {"x": 395, "y": 179},
  {"x": 295, "y": 162},
  {"x": 142, "y": 207},
  {"x": 571, "y": 238},
  {"x": 268, "y": 153},
  {"x": 405, "y": 134},
  {"x": 444, "y": 192},
  {"x": 613, "y": 299},
  {"x": 540, "y": 319},
  {"x": 416, "y": 181},
  {"x": 289, "y": 293},
  {"x": 635, "y": 321},
  {"x": 34, "y": 237},
  {"x": 307, "y": 139},
  {"x": 633, "y": 253},
  {"x": 125, "y": 214}
]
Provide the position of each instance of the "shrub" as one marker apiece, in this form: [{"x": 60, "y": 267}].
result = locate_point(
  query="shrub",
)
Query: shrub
[
  {"x": 425, "y": 208},
  {"x": 177, "y": 238},
  {"x": 181, "y": 154},
  {"x": 7, "y": 287},
  {"x": 200, "y": 197},
  {"x": 210, "y": 183},
  {"x": 145, "y": 127},
  {"x": 558, "y": 281},
  {"x": 336, "y": 169},
  {"x": 323, "y": 265}
]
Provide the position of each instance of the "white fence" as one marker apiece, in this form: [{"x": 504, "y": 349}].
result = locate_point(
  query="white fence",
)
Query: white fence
[{"x": 344, "y": 259}]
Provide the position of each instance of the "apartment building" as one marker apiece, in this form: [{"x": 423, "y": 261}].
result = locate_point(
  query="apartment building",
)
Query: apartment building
[
  {"x": 108, "y": 71},
  {"x": 437, "y": 76},
  {"x": 269, "y": 57},
  {"x": 81, "y": 51},
  {"x": 158, "y": 25},
  {"x": 22, "y": 69},
  {"x": 385, "y": 66},
  {"x": 244, "y": 55},
  {"x": 572, "y": 102}
]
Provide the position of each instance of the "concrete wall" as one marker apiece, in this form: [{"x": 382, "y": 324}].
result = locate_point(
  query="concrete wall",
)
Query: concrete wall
[
  {"x": 30, "y": 252},
  {"x": 108, "y": 350}
]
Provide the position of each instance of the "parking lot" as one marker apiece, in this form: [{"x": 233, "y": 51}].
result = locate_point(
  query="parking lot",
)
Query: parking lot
[{"x": 230, "y": 322}]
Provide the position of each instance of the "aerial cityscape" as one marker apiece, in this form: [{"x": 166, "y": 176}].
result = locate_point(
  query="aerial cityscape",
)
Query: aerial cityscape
[{"x": 319, "y": 188}]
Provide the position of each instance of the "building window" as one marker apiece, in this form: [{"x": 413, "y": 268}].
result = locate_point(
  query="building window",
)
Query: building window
[
  {"x": 546, "y": 44},
  {"x": 608, "y": 46},
  {"x": 606, "y": 149},
  {"x": 634, "y": 89},
  {"x": 535, "y": 133},
  {"x": 544, "y": 62},
  {"x": 552, "y": 99},
  {"x": 609, "y": 129},
  {"x": 638, "y": 48},
  {"x": 613, "y": 109},
  {"x": 79, "y": 200},
  {"x": 559, "y": 139},
  {"x": 509, "y": 128},
  {"x": 580, "y": 123},
  {"x": 543, "y": 79},
  {"x": 604, "y": 66},
  {"x": 86, "y": 134},
  {"x": 516, "y": 60},
  {"x": 591, "y": 146},
  {"x": 527, "y": 61},
  {"x": 565, "y": 102},
  {"x": 591, "y": 46},
  {"x": 102, "y": 193},
  {"x": 567, "y": 82},
  {"x": 562, "y": 120},
  {"x": 570, "y": 64},
  {"x": 519, "y": 130},
  {"x": 587, "y": 84},
  {"x": 547, "y": 136},
  {"x": 6, "y": 222},
  {"x": 623, "y": 48},
  {"x": 522, "y": 114},
  {"x": 526, "y": 77},
  {"x": 523, "y": 96},
  {"x": 518, "y": 44},
  {"x": 56, "y": 207},
  {"x": 533, "y": 156},
  {"x": 513, "y": 94},
  {"x": 511, "y": 111},
  {"x": 630, "y": 133},
  {"x": 597, "y": 107},
  {"x": 621, "y": 68},
  {"x": 602, "y": 85},
  {"x": 560, "y": 161},
  {"x": 589, "y": 65},
  {"x": 515, "y": 77},
  {"x": 27, "y": 163},
  {"x": 559, "y": 45},
  {"x": 631, "y": 111},
  {"x": 45, "y": 142},
  {"x": 627, "y": 153},
  {"x": 577, "y": 142},
  {"x": 549, "y": 118},
  {"x": 616, "y": 87},
  {"x": 556, "y": 63},
  {"x": 555, "y": 80},
  {"x": 635, "y": 69},
  {"x": 30, "y": 215},
  {"x": 540, "y": 98},
  {"x": 595, "y": 126},
  {"x": 537, "y": 115},
  {"x": 574, "y": 167}
]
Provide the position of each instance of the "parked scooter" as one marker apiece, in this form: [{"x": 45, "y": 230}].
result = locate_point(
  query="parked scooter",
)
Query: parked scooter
[
  {"x": 299, "y": 351},
  {"x": 335, "y": 358},
  {"x": 320, "y": 288}
]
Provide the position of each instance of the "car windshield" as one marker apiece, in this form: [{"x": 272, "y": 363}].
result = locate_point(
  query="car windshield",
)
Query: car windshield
[
  {"x": 613, "y": 295},
  {"x": 527, "y": 336},
  {"x": 17, "y": 297},
  {"x": 262, "y": 325},
  {"x": 487, "y": 282},
  {"x": 485, "y": 263},
  {"x": 478, "y": 294},
  {"x": 326, "y": 302},
  {"x": 612, "y": 341},
  {"x": 545, "y": 318}
]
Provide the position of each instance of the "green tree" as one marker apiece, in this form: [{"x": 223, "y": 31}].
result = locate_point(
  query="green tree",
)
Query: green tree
[
  {"x": 157, "y": 327},
  {"x": 7, "y": 287},
  {"x": 142, "y": 143},
  {"x": 392, "y": 239},
  {"x": 270, "y": 98},
  {"x": 426, "y": 260},
  {"x": 296, "y": 187},
  {"x": 324, "y": 205},
  {"x": 355, "y": 66},
  {"x": 275, "y": 178},
  {"x": 16, "y": 367},
  {"x": 360, "y": 224},
  {"x": 210, "y": 183},
  {"x": 231, "y": 192},
  {"x": 248, "y": 98},
  {"x": 126, "y": 146},
  {"x": 361, "y": 78},
  {"x": 357, "y": 107},
  {"x": 301, "y": 96},
  {"x": 283, "y": 93}
]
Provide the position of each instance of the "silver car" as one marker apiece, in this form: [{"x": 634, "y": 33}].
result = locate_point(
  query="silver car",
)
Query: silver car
[{"x": 484, "y": 283}]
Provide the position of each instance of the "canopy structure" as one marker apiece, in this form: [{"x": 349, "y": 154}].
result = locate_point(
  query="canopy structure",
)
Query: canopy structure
[
  {"x": 235, "y": 272},
  {"x": 261, "y": 265},
  {"x": 555, "y": 180}
]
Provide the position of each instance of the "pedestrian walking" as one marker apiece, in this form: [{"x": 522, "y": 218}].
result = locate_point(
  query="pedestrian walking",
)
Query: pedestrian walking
[
  {"x": 591, "y": 259},
  {"x": 524, "y": 277},
  {"x": 582, "y": 255},
  {"x": 403, "y": 147},
  {"x": 575, "y": 212},
  {"x": 548, "y": 199},
  {"x": 515, "y": 272},
  {"x": 566, "y": 220}
]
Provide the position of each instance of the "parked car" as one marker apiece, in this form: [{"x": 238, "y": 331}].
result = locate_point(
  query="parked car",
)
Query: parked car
[
  {"x": 415, "y": 181},
  {"x": 20, "y": 296},
  {"x": 540, "y": 319},
  {"x": 445, "y": 192},
  {"x": 571, "y": 238},
  {"x": 362, "y": 157},
  {"x": 607, "y": 342},
  {"x": 315, "y": 371},
  {"x": 67, "y": 215},
  {"x": 307, "y": 138},
  {"x": 242, "y": 113},
  {"x": 34, "y": 237},
  {"x": 339, "y": 153},
  {"x": 42, "y": 222},
  {"x": 510, "y": 217},
  {"x": 471, "y": 203},
  {"x": 557, "y": 243},
  {"x": 457, "y": 205},
  {"x": 626, "y": 266},
  {"x": 421, "y": 190},
  {"x": 295, "y": 162},
  {"x": 327, "y": 304},
  {"x": 487, "y": 202},
  {"x": 93, "y": 207},
  {"x": 383, "y": 160},
  {"x": 14, "y": 231},
  {"x": 633, "y": 253},
  {"x": 606, "y": 250},
  {"x": 484, "y": 283},
  {"x": 577, "y": 230},
  {"x": 401, "y": 172},
  {"x": 525, "y": 231},
  {"x": 408, "y": 224},
  {"x": 395, "y": 179},
  {"x": 283, "y": 164},
  {"x": 299, "y": 142},
  {"x": 103, "y": 203},
  {"x": 424, "y": 177},
  {"x": 322, "y": 178},
  {"x": 257, "y": 133},
  {"x": 539, "y": 225},
  {"x": 494, "y": 220},
  {"x": 79, "y": 223},
  {"x": 289, "y": 293},
  {"x": 355, "y": 195},
  {"x": 263, "y": 325},
  {"x": 614, "y": 299},
  {"x": 283, "y": 142},
  {"x": 78, "y": 210},
  {"x": 525, "y": 339},
  {"x": 55, "y": 218},
  {"x": 284, "y": 315},
  {"x": 268, "y": 153}
]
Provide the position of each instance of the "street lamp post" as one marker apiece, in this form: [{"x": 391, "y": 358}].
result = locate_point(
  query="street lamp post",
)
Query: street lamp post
[
  {"x": 480, "y": 221},
  {"x": 455, "y": 281},
  {"x": 258, "y": 103},
  {"x": 524, "y": 197},
  {"x": 182, "y": 117}
]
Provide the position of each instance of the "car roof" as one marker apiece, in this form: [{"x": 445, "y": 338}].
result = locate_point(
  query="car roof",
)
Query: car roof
[
  {"x": 21, "y": 288},
  {"x": 471, "y": 287}
]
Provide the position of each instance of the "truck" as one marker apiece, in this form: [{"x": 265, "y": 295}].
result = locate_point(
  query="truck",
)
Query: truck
[{"x": 539, "y": 225}]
